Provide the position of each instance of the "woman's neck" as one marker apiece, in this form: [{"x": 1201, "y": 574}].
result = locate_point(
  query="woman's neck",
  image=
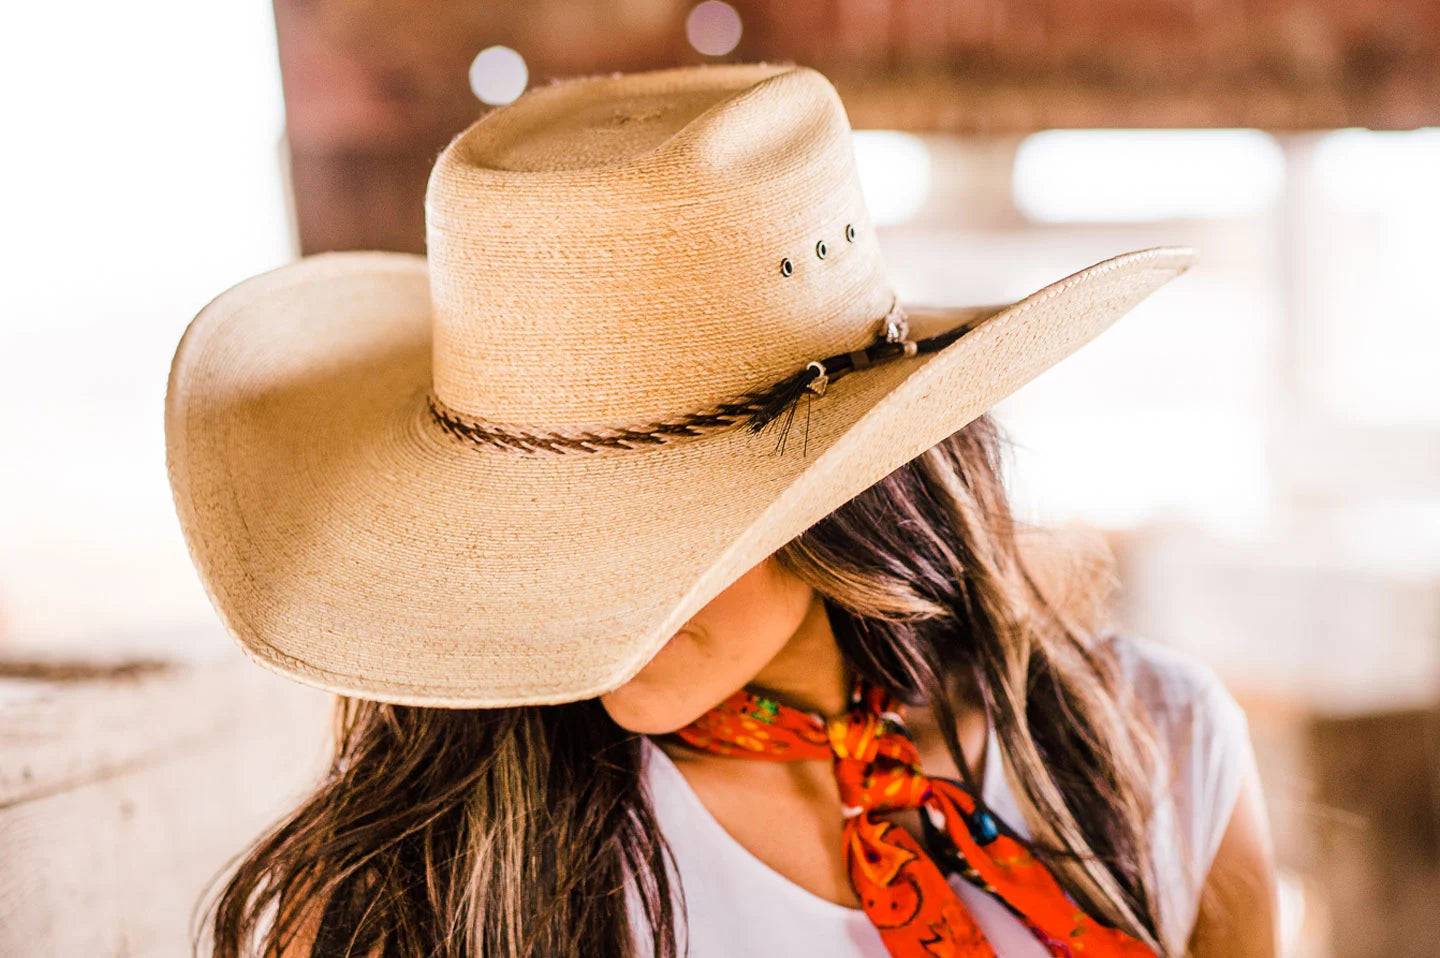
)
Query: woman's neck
[{"x": 808, "y": 672}]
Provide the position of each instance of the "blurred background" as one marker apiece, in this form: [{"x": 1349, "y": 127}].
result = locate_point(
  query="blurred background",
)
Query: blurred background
[{"x": 1259, "y": 442}]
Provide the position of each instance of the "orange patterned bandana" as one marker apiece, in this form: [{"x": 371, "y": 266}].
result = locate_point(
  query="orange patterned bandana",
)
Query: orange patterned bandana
[{"x": 902, "y": 890}]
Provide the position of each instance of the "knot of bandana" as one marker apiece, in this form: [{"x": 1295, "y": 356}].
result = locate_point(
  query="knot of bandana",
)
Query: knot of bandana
[
  {"x": 902, "y": 889},
  {"x": 876, "y": 764}
]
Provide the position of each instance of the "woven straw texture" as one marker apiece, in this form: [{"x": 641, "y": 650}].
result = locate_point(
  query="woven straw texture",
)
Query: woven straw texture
[{"x": 604, "y": 253}]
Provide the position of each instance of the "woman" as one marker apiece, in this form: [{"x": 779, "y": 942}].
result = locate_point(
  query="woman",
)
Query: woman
[{"x": 613, "y": 683}]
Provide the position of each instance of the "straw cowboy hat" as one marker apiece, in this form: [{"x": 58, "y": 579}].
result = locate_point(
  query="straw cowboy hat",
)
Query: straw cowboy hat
[{"x": 651, "y": 341}]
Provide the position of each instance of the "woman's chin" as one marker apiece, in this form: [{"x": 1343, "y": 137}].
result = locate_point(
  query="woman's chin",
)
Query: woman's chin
[
  {"x": 664, "y": 695},
  {"x": 636, "y": 711}
]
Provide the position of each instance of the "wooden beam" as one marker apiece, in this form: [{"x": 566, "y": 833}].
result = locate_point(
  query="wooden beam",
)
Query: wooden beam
[{"x": 374, "y": 91}]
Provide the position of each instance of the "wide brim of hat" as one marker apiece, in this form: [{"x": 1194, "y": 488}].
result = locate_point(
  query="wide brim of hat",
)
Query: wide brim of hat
[{"x": 348, "y": 542}]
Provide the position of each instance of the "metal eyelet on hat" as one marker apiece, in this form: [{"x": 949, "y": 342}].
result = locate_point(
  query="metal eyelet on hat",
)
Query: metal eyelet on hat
[
  {"x": 850, "y": 232},
  {"x": 786, "y": 267},
  {"x": 821, "y": 249}
]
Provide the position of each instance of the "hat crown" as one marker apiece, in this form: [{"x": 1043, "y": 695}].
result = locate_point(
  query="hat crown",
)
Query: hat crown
[{"x": 611, "y": 251}]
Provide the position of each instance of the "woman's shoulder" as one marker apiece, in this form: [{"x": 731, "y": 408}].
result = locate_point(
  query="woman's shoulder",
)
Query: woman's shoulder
[
  {"x": 1177, "y": 687},
  {"x": 1188, "y": 702},
  {"x": 1204, "y": 734}
]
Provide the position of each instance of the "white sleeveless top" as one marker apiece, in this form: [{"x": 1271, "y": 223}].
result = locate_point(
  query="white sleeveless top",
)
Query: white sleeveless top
[{"x": 738, "y": 905}]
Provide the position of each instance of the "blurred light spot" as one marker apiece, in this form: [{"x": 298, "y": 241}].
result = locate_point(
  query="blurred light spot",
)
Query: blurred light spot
[
  {"x": 498, "y": 75},
  {"x": 1066, "y": 176},
  {"x": 713, "y": 28},
  {"x": 894, "y": 170}
]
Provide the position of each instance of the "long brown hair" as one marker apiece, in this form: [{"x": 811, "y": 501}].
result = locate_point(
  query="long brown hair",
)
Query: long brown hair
[{"x": 512, "y": 832}]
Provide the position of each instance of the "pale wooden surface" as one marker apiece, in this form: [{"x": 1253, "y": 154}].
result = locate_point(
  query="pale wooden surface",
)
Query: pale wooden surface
[{"x": 122, "y": 797}]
